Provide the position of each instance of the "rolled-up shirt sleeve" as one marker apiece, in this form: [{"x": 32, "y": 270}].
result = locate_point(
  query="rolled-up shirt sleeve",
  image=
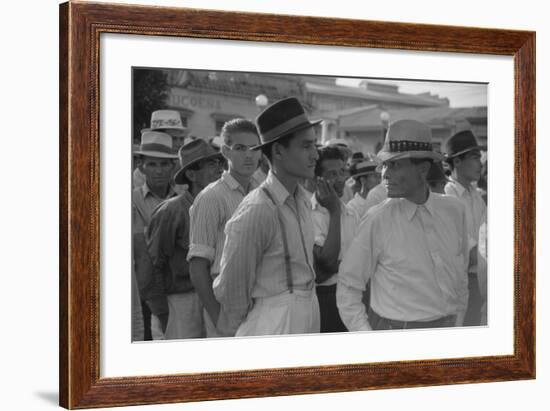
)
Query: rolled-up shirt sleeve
[
  {"x": 248, "y": 233},
  {"x": 355, "y": 270},
  {"x": 205, "y": 221}
]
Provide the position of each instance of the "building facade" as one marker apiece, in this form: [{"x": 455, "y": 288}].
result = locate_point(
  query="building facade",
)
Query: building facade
[{"x": 360, "y": 114}]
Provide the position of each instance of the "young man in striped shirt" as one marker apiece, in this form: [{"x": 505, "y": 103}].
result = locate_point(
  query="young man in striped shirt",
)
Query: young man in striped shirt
[
  {"x": 213, "y": 207},
  {"x": 266, "y": 282}
]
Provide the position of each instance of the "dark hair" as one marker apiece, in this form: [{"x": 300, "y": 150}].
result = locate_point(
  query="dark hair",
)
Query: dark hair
[
  {"x": 327, "y": 153},
  {"x": 267, "y": 149},
  {"x": 237, "y": 125}
]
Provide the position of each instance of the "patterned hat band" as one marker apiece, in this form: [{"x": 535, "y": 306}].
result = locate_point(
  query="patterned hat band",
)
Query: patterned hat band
[
  {"x": 156, "y": 147},
  {"x": 406, "y": 145}
]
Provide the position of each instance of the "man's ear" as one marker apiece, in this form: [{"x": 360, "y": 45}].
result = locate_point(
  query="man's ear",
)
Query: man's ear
[
  {"x": 139, "y": 163},
  {"x": 456, "y": 161},
  {"x": 225, "y": 151},
  {"x": 276, "y": 150}
]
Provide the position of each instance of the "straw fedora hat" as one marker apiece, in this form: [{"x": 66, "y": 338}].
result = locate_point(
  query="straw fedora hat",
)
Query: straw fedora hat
[
  {"x": 280, "y": 119},
  {"x": 408, "y": 139},
  {"x": 156, "y": 144}
]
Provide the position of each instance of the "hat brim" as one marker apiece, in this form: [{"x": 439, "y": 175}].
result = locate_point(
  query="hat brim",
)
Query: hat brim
[
  {"x": 366, "y": 172},
  {"x": 299, "y": 127},
  {"x": 179, "y": 177},
  {"x": 448, "y": 157},
  {"x": 156, "y": 154},
  {"x": 429, "y": 155}
]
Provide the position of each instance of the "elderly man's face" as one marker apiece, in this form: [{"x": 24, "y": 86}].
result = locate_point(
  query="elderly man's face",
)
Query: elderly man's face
[
  {"x": 402, "y": 178},
  {"x": 157, "y": 171}
]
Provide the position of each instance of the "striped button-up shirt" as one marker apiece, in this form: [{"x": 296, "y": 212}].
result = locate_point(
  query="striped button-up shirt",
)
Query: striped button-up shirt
[
  {"x": 211, "y": 210},
  {"x": 252, "y": 264},
  {"x": 476, "y": 210},
  {"x": 416, "y": 257},
  {"x": 349, "y": 221}
]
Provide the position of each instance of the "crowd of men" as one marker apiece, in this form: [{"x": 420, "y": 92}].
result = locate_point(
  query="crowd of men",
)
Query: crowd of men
[{"x": 267, "y": 232}]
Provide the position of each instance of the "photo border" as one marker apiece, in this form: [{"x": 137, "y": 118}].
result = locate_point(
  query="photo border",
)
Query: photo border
[{"x": 79, "y": 378}]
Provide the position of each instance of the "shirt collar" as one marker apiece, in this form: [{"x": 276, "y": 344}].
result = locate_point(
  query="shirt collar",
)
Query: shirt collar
[
  {"x": 233, "y": 184},
  {"x": 409, "y": 208},
  {"x": 228, "y": 179},
  {"x": 188, "y": 197},
  {"x": 145, "y": 191},
  {"x": 278, "y": 190}
]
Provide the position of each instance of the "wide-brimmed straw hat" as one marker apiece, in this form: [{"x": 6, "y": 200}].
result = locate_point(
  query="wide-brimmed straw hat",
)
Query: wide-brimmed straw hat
[
  {"x": 156, "y": 144},
  {"x": 461, "y": 143},
  {"x": 408, "y": 139},
  {"x": 168, "y": 121},
  {"x": 280, "y": 119},
  {"x": 191, "y": 153}
]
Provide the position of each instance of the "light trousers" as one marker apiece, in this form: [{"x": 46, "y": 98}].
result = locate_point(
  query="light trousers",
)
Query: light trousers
[{"x": 286, "y": 313}]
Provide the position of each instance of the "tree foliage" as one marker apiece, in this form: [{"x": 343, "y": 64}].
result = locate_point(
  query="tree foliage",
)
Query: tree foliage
[{"x": 150, "y": 90}]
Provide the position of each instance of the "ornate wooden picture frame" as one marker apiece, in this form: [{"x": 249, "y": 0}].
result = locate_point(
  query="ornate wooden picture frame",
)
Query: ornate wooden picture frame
[{"x": 81, "y": 25}]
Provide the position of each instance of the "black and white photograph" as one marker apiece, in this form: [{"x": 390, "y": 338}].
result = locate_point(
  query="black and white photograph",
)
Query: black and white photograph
[{"x": 267, "y": 204}]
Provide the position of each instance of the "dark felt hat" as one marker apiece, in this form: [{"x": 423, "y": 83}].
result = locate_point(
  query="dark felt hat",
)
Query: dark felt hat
[
  {"x": 191, "y": 153},
  {"x": 461, "y": 143},
  {"x": 280, "y": 119}
]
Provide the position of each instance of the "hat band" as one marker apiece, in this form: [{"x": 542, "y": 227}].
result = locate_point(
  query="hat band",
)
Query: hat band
[
  {"x": 282, "y": 128},
  {"x": 407, "y": 145},
  {"x": 156, "y": 124},
  {"x": 156, "y": 147}
]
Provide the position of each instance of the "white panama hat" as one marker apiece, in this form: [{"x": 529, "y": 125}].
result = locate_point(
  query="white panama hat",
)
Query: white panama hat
[{"x": 168, "y": 121}]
